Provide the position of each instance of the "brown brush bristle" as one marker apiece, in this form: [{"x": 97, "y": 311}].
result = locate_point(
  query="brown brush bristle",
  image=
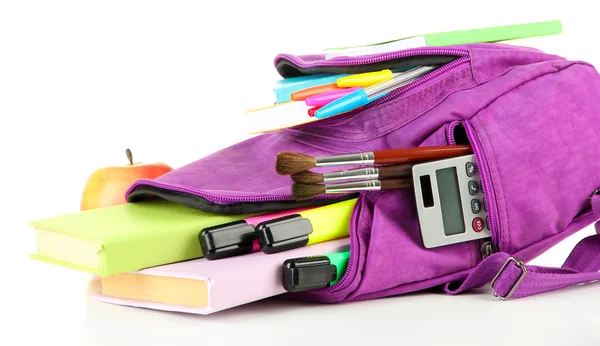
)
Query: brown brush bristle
[
  {"x": 307, "y": 177},
  {"x": 307, "y": 191},
  {"x": 290, "y": 163}
]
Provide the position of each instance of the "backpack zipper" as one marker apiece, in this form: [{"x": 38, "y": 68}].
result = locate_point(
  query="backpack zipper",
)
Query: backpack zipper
[
  {"x": 372, "y": 59},
  {"x": 487, "y": 248},
  {"x": 221, "y": 199},
  {"x": 424, "y": 51},
  {"x": 422, "y": 80},
  {"x": 485, "y": 182}
]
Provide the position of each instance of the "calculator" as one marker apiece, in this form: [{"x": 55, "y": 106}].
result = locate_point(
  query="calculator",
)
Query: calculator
[{"x": 450, "y": 201}]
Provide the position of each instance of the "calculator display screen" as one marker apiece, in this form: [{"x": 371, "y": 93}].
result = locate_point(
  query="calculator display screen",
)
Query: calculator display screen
[{"x": 450, "y": 202}]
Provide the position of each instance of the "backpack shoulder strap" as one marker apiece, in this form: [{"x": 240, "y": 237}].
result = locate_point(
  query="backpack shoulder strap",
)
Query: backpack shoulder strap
[{"x": 509, "y": 277}]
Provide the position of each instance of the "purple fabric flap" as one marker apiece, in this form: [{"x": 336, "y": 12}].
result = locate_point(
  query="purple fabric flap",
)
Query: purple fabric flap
[{"x": 237, "y": 180}]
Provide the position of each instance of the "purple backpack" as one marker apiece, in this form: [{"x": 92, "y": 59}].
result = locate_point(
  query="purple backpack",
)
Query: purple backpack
[{"x": 532, "y": 120}]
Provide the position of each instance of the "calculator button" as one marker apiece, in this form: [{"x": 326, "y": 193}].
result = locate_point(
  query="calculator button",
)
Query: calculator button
[
  {"x": 475, "y": 206},
  {"x": 484, "y": 204},
  {"x": 487, "y": 223},
  {"x": 473, "y": 187},
  {"x": 478, "y": 224},
  {"x": 471, "y": 169}
]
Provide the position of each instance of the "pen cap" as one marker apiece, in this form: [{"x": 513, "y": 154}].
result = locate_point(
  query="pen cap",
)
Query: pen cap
[
  {"x": 227, "y": 240},
  {"x": 356, "y": 99},
  {"x": 364, "y": 79},
  {"x": 325, "y": 98},
  {"x": 311, "y": 112},
  {"x": 284, "y": 233},
  {"x": 307, "y": 273}
]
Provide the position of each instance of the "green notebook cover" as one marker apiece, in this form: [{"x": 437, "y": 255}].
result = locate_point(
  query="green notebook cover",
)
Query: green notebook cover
[
  {"x": 135, "y": 236},
  {"x": 494, "y": 34},
  {"x": 490, "y": 34}
]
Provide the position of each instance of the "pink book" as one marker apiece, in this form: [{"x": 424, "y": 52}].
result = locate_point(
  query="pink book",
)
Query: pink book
[{"x": 203, "y": 287}]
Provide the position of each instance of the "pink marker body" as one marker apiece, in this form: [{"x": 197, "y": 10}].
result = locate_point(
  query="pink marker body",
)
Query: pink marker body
[
  {"x": 255, "y": 220},
  {"x": 325, "y": 98}
]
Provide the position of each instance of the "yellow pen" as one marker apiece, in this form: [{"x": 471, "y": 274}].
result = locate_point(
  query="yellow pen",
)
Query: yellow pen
[
  {"x": 306, "y": 227},
  {"x": 364, "y": 79}
]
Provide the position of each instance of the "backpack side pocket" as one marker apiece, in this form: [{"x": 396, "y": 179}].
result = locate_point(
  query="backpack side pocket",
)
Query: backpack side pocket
[{"x": 538, "y": 144}]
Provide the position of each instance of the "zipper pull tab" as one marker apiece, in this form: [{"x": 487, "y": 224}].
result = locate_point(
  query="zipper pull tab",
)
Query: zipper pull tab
[
  {"x": 487, "y": 248},
  {"x": 597, "y": 192}
]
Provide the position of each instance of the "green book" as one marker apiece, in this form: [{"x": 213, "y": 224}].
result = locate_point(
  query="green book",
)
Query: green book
[
  {"x": 481, "y": 35},
  {"x": 124, "y": 238}
]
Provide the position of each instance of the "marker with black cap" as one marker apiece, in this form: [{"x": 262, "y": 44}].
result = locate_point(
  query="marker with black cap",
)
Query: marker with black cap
[
  {"x": 305, "y": 228},
  {"x": 277, "y": 232},
  {"x": 235, "y": 238},
  {"x": 314, "y": 272}
]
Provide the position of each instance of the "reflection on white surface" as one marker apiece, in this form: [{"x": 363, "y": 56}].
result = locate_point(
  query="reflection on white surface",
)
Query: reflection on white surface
[
  {"x": 63, "y": 314},
  {"x": 424, "y": 318}
]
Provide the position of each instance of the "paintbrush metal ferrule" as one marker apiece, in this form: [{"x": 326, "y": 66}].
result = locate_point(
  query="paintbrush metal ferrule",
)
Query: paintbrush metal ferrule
[
  {"x": 352, "y": 174},
  {"x": 369, "y": 185},
  {"x": 349, "y": 159}
]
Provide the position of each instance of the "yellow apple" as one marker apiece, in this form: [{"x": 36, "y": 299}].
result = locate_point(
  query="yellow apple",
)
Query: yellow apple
[{"x": 107, "y": 186}]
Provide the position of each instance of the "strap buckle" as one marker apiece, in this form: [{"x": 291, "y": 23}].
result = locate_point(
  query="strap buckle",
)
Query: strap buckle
[{"x": 514, "y": 287}]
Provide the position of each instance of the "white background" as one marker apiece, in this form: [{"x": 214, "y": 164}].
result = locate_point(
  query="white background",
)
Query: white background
[{"x": 80, "y": 81}]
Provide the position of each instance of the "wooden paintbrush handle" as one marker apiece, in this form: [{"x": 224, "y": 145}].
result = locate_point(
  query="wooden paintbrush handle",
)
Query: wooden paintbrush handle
[
  {"x": 395, "y": 171},
  {"x": 395, "y": 184},
  {"x": 419, "y": 154}
]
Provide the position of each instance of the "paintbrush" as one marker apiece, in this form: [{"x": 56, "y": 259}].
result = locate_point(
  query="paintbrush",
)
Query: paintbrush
[
  {"x": 370, "y": 173},
  {"x": 306, "y": 191},
  {"x": 290, "y": 162}
]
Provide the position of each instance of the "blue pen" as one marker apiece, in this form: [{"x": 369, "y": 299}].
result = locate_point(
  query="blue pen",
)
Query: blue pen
[{"x": 369, "y": 94}]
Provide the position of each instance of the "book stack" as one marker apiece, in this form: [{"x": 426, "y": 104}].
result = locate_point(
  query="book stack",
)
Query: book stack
[{"x": 149, "y": 254}]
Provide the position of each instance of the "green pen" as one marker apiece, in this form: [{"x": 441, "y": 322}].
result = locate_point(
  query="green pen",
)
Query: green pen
[{"x": 314, "y": 272}]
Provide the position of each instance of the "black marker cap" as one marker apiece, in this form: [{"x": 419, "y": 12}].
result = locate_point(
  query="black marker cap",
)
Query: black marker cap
[
  {"x": 307, "y": 273},
  {"x": 227, "y": 240},
  {"x": 283, "y": 233}
]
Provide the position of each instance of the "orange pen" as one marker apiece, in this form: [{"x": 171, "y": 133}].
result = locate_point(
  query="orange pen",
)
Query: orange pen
[{"x": 301, "y": 95}]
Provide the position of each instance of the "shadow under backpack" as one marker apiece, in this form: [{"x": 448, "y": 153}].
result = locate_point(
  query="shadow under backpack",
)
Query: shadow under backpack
[{"x": 533, "y": 121}]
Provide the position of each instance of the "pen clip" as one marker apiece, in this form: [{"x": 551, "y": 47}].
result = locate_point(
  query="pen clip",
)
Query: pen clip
[
  {"x": 284, "y": 233},
  {"x": 227, "y": 240},
  {"x": 306, "y": 273}
]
